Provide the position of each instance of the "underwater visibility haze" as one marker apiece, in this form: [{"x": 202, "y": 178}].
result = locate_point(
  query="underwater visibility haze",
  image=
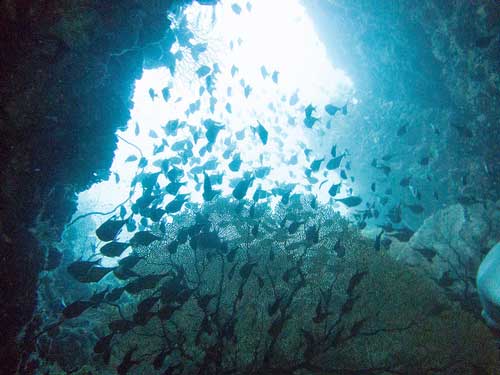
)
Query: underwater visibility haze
[{"x": 301, "y": 187}]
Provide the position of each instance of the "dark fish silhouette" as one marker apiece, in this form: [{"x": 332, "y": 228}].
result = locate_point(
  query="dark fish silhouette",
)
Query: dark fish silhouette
[
  {"x": 80, "y": 268},
  {"x": 334, "y": 189},
  {"x": 77, "y": 308},
  {"x": 351, "y": 201},
  {"x": 405, "y": 181},
  {"x": 275, "y": 77},
  {"x": 261, "y": 131},
  {"x": 202, "y": 71},
  {"x": 402, "y": 130},
  {"x": 235, "y": 164},
  {"x": 309, "y": 110},
  {"x": 310, "y": 121},
  {"x": 236, "y": 8},
  {"x": 241, "y": 188},
  {"x": 143, "y": 283},
  {"x": 208, "y": 192},
  {"x": 316, "y": 164},
  {"x": 331, "y": 109},
  {"x": 110, "y": 229},
  {"x": 415, "y": 208},
  {"x": 176, "y": 204},
  {"x": 264, "y": 72},
  {"x": 165, "y": 92},
  {"x": 152, "y": 94},
  {"x": 212, "y": 130},
  {"x": 427, "y": 252},
  {"x": 143, "y": 238},
  {"x": 114, "y": 249},
  {"x": 95, "y": 274},
  {"x": 335, "y": 162}
]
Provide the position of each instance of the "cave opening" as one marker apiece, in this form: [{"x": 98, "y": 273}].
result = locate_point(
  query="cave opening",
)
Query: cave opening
[{"x": 237, "y": 75}]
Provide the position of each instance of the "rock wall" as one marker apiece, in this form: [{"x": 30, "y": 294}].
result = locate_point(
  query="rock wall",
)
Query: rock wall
[
  {"x": 450, "y": 245},
  {"x": 68, "y": 69}
]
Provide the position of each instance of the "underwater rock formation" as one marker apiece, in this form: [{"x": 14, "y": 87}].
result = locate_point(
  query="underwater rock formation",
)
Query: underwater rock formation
[
  {"x": 450, "y": 245},
  {"x": 488, "y": 286}
]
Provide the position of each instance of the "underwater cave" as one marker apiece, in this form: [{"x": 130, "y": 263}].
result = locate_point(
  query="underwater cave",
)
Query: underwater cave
[{"x": 250, "y": 187}]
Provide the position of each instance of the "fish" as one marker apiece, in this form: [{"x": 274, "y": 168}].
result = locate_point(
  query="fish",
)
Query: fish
[
  {"x": 114, "y": 249},
  {"x": 236, "y": 8},
  {"x": 335, "y": 162},
  {"x": 247, "y": 91},
  {"x": 208, "y": 192},
  {"x": 202, "y": 71},
  {"x": 332, "y": 109},
  {"x": 80, "y": 268},
  {"x": 143, "y": 238},
  {"x": 176, "y": 204},
  {"x": 294, "y": 227},
  {"x": 77, "y": 308},
  {"x": 402, "y": 130},
  {"x": 103, "y": 344},
  {"x": 427, "y": 252},
  {"x": 264, "y": 72},
  {"x": 424, "y": 161},
  {"x": 165, "y": 92},
  {"x": 198, "y": 49},
  {"x": 115, "y": 294},
  {"x": 405, "y": 181},
  {"x": 152, "y": 94},
  {"x": 95, "y": 274},
  {"x": 241, "y": 188},
  {"x": 309, "y": 110},
  {"x": 110, "y": 229},
  {"x": 373, "y": 187},
  {"x": 316, "y": 164},
  {"x": 235, "y": 164},
  {"x": 351, "y": 201},
  {"x": 294, "y": 99},
  {"x": 312, "y": 234},
  {"x": 402, "y": 234},
  {"x": 261, "y": 131},
  {"x": 143, "y": 283},
  {"x": 234, "y": 70},
  {"x": 334, "y": 189},
  {"x": 333, "y": 151},
  {"x": 212, "y": 130},
  {"x": 310, "y": 121},
  {"x": 275, "y": 76},
  {"x": 173, "y": 187},
  {"x": 415, "y": 208}
]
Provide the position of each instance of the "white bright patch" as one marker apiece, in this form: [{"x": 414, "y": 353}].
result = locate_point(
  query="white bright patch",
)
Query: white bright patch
[{"x": 273, "y": 34}]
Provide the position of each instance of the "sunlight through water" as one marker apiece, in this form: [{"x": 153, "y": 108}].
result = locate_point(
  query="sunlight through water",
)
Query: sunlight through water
[{"x": 265, "y": 66}]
